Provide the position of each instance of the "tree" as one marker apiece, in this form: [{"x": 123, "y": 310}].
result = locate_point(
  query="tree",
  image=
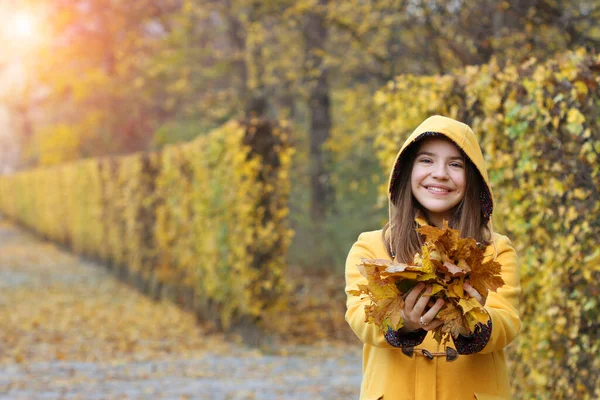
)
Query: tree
[{"x": 315, "y": 34}]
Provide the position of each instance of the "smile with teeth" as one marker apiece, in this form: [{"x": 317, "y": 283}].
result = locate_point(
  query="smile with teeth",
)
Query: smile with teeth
[{"x": 437, "y": 189}]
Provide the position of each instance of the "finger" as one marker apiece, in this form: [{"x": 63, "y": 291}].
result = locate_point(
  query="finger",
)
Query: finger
[
  {"x": 412, "y": 297},
  {"x": 432, "y": 312},
  {"x": 474, "y": 293},
  {"x": 433, "y": 324},
  {"x": 422, "y": 302},
  {"x": 471, "y": 290}
]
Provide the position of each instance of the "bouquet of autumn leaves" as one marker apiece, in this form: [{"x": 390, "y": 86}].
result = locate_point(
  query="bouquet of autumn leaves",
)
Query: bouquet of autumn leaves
[{"x": 446, "y": 261}]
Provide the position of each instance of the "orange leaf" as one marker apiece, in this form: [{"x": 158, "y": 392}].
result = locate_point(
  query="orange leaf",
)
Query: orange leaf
[
  {"x": 446, "y": 260},
  {"x": 486, "y": 277},
  {"x": 452, "y": 269},
  {"x": 454, "y": 323}
]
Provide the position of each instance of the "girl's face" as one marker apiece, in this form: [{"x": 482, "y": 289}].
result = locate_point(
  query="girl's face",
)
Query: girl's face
[{"x": 438, "y": 178}]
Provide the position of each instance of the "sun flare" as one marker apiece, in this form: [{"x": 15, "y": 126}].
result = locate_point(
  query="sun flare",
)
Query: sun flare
[{"x": 22, "y": 26}]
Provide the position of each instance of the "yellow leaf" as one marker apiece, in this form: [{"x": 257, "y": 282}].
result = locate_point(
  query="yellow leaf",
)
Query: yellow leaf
[
  {"x": 436, "y": 288},
  {"x": 468, "y": 304},
  {"x": 455, "y": 288},
  {"x": 581, "y": 88},
  {"x": 574, "y": 116},
  {"x": 580, "y": 194}
]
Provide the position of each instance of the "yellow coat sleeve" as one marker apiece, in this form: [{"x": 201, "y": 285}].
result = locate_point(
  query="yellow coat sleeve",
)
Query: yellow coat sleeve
[
  {"x": 355, "y": 306},
  {"x": 503, "y": 305}
]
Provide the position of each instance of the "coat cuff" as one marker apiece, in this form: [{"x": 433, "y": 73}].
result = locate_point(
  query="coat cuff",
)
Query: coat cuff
[
  {"x": 408, "y": 339},
  {"x": 476, "y": 342}
]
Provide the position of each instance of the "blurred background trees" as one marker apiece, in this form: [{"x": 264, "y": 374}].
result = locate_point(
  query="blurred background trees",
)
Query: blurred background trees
[{"x": 100, "y": 77}]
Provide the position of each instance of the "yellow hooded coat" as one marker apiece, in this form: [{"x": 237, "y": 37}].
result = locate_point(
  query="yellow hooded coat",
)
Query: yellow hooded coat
[{"x": 388, "y": 373}]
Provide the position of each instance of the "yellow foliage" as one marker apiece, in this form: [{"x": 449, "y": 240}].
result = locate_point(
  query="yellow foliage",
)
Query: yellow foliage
[
  {"x": 538, "y": 126},
  {"x": 58, "y": 144},
  {"x": 209, "y": 215}
]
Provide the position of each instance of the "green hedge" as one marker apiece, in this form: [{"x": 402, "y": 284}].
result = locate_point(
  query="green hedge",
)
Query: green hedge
[
  {"x": 203, "y": 223},
  {"x": 539, "y": 125}
]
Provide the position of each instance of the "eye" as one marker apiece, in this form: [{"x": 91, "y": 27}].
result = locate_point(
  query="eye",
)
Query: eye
[
  {"x": 456, "y": 165},
  {"x": 425, "y": 160}
]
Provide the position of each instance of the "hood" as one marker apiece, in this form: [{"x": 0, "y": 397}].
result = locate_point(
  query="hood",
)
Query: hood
[{"x": 462, "y": 135}]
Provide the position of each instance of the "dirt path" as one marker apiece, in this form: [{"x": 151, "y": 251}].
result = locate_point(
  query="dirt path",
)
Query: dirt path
[{"x": 69, "y": 330}]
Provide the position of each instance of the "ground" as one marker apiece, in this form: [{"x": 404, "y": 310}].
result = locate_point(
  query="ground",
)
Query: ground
[{"x": 70, "y": 330}]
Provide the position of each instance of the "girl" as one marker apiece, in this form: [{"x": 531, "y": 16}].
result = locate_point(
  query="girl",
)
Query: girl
[{"x": 438, "y": 175}]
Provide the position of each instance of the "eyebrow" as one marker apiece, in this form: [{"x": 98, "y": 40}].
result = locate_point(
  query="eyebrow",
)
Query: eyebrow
[{"x": 433, "y": 155}]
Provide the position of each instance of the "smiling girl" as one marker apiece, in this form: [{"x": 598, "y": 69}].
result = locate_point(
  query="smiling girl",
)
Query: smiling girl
[{"x": 439, "y": 174}]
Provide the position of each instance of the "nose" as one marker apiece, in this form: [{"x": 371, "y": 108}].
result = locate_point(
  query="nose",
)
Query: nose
[{"x": 440, "y": 172}]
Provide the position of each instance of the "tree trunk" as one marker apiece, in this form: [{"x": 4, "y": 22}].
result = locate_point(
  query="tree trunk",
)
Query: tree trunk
[{"x": 315, "y": 34}]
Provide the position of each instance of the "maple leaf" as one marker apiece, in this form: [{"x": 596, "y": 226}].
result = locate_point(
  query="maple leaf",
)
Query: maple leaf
[
  {"x": 386, "y": 302},
  {"x": 435, "y": 256},
  {"x": 432, "y": 234},
  {"x": 474, "y": 317},
  {"x": 469, "y": 304},
  {"x": 436, "y": 288},
  {"x": 486, "y": 276},
  {"x": 452, "y": 269},
  {"x": 377, "y": 312},
  {"x": 385, "y": 312},
  {"x": 463, "y": 248},
  {"x": 381, "y": 270},
  {"x": 377, "y": 291},
  {"x": 445, "y": 246},
  {"x": 362, "y": 289},
  {"x": 394, "y": 313},
  {"x": 455, "y": 288},
  {"x": 425, "y": 260},
  {"x": 377, "y": 262},
  {"x": 397, "y": 267},
  {"x": 462, "y": 264},
  {"x": 445, "y": 262},
  {"x": 472, "y": 321},
  {"x": 407, "y": 275},
  {"x": 454, "y": 323},
  {"x": 369, "y": 271}
]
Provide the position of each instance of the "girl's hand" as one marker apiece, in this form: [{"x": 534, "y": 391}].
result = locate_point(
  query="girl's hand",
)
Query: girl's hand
[
  {"x": 414, "y": 314},
  {"x": 474, "y": 293}
]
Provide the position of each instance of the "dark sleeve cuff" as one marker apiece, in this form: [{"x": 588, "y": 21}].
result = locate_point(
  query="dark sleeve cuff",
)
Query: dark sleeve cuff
[
  {"x": 476, "y": 342},
  {"x": 409, "y": 339}
]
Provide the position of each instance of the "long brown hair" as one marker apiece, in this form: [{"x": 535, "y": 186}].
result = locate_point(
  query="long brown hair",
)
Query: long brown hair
[{"x": 404, "y": 241}]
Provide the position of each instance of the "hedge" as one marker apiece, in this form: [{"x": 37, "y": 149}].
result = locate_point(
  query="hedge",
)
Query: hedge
[
  {"x": 203, "y": 223},
  {"x": 539, "y": 126}
]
